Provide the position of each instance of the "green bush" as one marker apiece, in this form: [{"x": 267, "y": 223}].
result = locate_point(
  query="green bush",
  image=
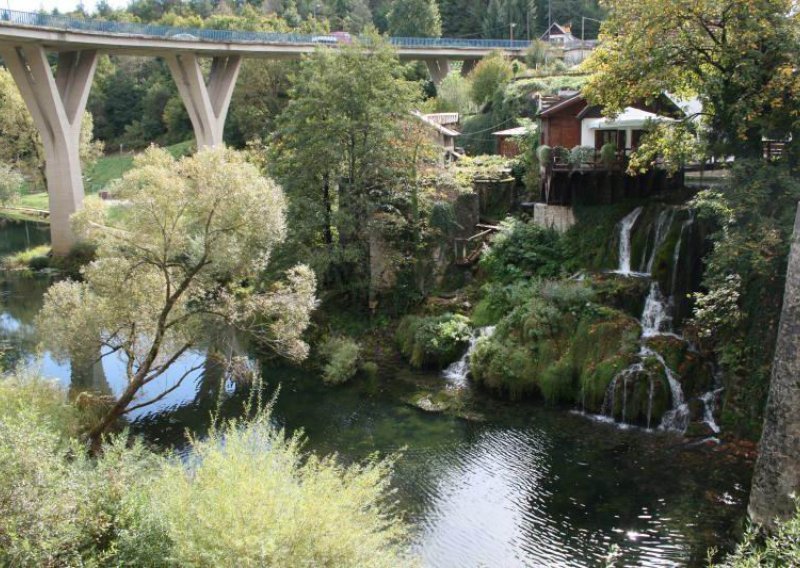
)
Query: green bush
[
  {"x": 608, "y": 154},
  {"x": 434, "y": 341},
  {"x": 778, "y": 550},
  {"x": 561, "y": 155},
  {"x": 246, "y": 496},
  {"x": 342, "y": 355},
  {"x": 523, "y": 250},
  {"x": 581, "y": 155}
]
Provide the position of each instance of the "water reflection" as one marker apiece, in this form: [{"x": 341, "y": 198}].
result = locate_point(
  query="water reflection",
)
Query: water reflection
[{"x": 528, "y": 487}]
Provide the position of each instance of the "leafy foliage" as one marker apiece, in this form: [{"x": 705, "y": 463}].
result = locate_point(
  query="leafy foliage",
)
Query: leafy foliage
[
  {"x": 415, "y": 18},
  {"x": 342, "y": 356},
  {"x": 491, "y": 73},
  {"x": 176, "y": 266},
  {"x": 737, "y": 57},
  {"x": 433, "y": 341},
  {"x": 11, "y": 183},
  {"x": 524, "y": 250},
  {"x": 782, "y": 548},
  {"x": 246, "y": 496}
]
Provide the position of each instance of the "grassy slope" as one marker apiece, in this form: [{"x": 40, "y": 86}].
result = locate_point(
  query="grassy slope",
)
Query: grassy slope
[{"x": 106, "y": 170}]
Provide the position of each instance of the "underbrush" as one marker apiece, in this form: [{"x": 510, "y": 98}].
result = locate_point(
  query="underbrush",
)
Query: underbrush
[
  {"x": 246, "y": 496},
  {"x": 778, "y": 550},
  {"x": 34, "y": 258}
]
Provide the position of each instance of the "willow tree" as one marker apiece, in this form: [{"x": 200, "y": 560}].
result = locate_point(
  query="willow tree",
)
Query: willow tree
[
  {"x": 738, "y": 57},
  {"x": 179, "y": 264}
]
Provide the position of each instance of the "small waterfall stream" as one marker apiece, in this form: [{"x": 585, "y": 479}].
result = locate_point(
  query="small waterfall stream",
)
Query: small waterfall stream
[
  {"x": 624, "y": 233},
  {"x": 656, "y": 320},
  {"x": 456, "y": 373}
]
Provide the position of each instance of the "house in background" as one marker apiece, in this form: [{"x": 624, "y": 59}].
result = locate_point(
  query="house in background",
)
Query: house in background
[
  {"x": 573, "y": 50},
  {"x": 571, "y": 121},
  {"x": 508, "y": 140},
  {"x": 441, "y": 135}
]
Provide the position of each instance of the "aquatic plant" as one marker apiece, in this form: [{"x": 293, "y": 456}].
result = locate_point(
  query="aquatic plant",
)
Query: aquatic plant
[{"x": 341, "y": 356}]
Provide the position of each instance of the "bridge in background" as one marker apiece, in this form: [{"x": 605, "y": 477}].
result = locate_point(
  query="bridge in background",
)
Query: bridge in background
[{"x": 57, "y": 101}]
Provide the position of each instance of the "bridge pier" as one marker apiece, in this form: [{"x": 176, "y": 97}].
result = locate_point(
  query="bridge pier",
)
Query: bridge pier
[
  {"x": 57, "y": 105},
  {"x": 467, "y": 66},
  {"x": 438, "y": 69},
  {"x": 206, "y": 102}
]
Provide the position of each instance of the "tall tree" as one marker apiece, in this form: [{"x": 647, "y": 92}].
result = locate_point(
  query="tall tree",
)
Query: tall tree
[
  {"x": 176, "y": 267},
  {"x": 335, "y": 151},
  {"x": 739, "y": 58},
  {"x": 415, "y": 18}
]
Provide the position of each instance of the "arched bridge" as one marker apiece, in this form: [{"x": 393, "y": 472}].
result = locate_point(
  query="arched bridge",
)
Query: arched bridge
[{"x": 57, "y": 101}]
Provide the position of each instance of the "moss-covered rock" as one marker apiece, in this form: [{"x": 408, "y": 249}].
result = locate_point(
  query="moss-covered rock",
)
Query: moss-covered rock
[
  {"x": 433, "y": 341},
  {"x": 560, "y": 345}
]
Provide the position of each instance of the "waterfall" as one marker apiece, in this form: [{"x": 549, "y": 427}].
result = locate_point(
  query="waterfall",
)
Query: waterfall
[
  {"x": 663, "y": 223},
  {"x": 625, "y": 227},
  {"x": 709, "y": 401},
  {"x": 655, "y": 318},
  {"x": 678, "y": 417},
  {"x": 456, "y": 373}
]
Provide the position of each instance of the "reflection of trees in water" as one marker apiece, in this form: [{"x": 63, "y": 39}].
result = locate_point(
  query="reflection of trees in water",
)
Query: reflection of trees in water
[
  {"x": 21, "y": 235},
  {"x": 216, "y": 397},
  {"x": 88, "y": 375}
]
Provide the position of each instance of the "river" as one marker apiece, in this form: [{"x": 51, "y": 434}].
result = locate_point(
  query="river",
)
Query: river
[{"x": 527, "y": 486}]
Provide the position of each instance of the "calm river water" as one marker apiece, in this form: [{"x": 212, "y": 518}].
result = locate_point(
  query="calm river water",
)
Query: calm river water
[{"x": 529, "y": 486}]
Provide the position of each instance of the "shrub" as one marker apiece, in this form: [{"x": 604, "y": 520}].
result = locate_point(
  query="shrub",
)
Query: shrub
[
  {"x": 608, "y": 154},
  {"x": 581, "y": 155},
  {"x": 342, "y": 355},
  {"x": 781, "y": 548},
  {"x": 545, "y": 154},
  {"x": 523, "y": 250},
  {"x": 434, "y": 341},
  {"x": 252, "y": 498},
  {"x": 246, "y": 496},
  {"x": 34, "y": 258},
  {"x": 561, "y": 155}
]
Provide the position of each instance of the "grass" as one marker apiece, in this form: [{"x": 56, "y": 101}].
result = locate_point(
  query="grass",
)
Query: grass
[
  {"x": 106, "y": 170},
  {"x": 24, "y": 259}
]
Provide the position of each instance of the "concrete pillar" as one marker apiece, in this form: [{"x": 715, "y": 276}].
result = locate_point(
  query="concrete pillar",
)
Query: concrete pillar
[
  {"x": 467, "y": 66},
  {"x": 206, "y": 102},
  {"x": 777, "y": 471},
  {"x": 57, "y": 105},
  {"x": 438, "y": 68}
]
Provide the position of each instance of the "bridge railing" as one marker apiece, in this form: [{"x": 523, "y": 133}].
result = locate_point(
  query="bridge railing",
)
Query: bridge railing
[{"x": 66, "y": 23}]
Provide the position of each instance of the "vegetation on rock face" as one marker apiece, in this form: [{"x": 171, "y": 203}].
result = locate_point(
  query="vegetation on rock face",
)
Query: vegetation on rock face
[
  {"x": 179, "y": 265},
  {"x": 739, "y": 308},
  {"x": 524, "y": 250},
  {"x": 247, "y": 496},
  {"x": 557, "y": 343},
  {"x": 433, "y": 341}
]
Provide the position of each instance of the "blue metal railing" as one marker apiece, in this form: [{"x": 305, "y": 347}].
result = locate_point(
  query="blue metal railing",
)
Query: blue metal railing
[{"x": 42, "y": 20}]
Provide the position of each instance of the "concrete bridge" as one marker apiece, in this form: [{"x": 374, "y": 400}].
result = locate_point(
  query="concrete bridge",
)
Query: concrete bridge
[{"x": 57, "y": 101}]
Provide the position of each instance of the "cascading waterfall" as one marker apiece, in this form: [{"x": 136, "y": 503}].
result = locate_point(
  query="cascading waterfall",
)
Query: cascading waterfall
[
  {"x": 456, "y": 373},
  {"x": 625, "y": 228},
  {"x": 656, "y": 320}
]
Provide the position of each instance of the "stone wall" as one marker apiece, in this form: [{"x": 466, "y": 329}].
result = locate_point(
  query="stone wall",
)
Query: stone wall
[
  {"x": 777, "y": 473},
  {"x": 558, "y": 217}
]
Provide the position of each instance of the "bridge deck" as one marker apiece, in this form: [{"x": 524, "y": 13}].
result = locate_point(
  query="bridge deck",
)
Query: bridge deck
[{"x": 61, "y": 33}]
